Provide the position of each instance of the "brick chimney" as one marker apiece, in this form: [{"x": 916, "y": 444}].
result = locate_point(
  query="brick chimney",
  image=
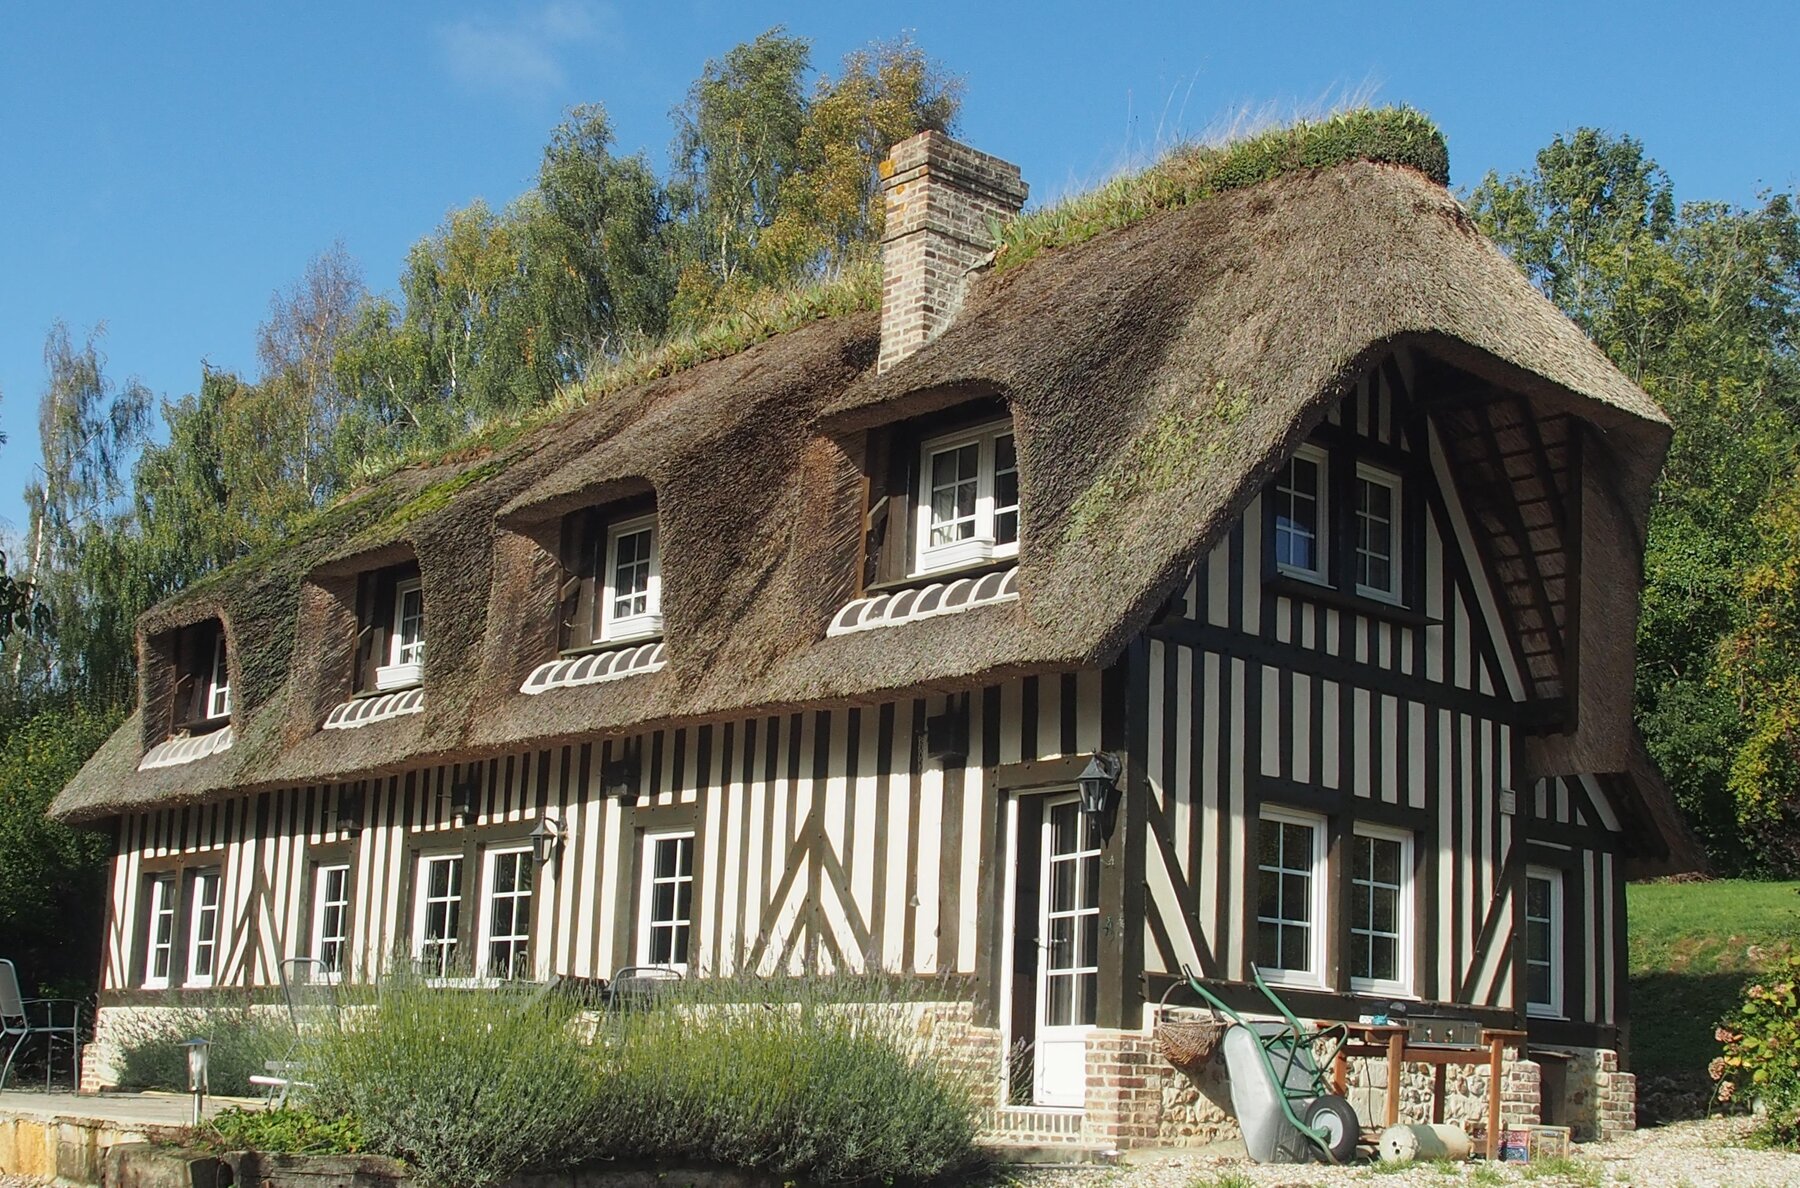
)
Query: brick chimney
[{"x": 939, "y": 197}]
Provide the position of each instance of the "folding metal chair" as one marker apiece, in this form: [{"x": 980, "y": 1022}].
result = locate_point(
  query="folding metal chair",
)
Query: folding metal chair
[{"x": 17, "y": 1027}]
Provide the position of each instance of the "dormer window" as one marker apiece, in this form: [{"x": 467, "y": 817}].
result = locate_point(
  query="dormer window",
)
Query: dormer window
[
  {"x": 613, "y": 558},
  {"x": 203, "y": 679},
  {"x": 1336, "y": 520},
  {"x": 391, "y": 635},
  {"x": 218, "y": 692},
  {"x": 969, "y": 505},
  {"x": 632, "y": 606},
  {"x": 406, "y": 639}
]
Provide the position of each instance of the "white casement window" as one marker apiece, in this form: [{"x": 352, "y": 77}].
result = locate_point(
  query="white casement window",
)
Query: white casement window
[
  {"x": 218, "y": 690},
  {"x": 331, "y": 917},
  {"x": 159, "y": 953},
  {"x": 406, "y": 639},
  {"x": 506, "y": 913},
  {"x": 666, "y": 915},
  {"x": 1301, "y": 515},
  {"x": 203, "y": 930},
  {"x": 1377, "y": 533},
  {"x": 437, "y": 914},
  {"x": 631, "y": 582},
  {"x": 968, "y": 499},
  {"x": 1290, "y": 897},
  {"x": 1381, "y": 910},
  {"x": 1543, "y": 942}
]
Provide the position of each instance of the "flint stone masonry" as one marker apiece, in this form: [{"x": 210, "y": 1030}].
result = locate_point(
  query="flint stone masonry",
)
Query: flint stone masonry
[{"x": 941, "y": 198}]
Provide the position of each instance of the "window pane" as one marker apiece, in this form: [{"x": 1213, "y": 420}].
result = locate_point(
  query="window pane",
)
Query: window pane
[
  {"x": 954, "y": 486},
  {"x": 1295, "y": 901},
  {"x": 1297, "y": 515},
  {"x": 1385, "y": 963},
  {"x": 1059, "y": 1000},
  {"x": 1006, "y": 491},
  {"x": 1294, "y": 939},
  {"x": 1268, "y": 944}
]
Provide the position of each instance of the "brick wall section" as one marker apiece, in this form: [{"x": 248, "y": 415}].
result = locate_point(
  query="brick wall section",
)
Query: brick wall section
[
  {"x": 1599, "y": 1101},
  {"x": 940, "y": 199}
]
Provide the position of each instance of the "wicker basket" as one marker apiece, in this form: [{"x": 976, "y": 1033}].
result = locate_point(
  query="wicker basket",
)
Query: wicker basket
[{"x": 1188, "y": 1043}]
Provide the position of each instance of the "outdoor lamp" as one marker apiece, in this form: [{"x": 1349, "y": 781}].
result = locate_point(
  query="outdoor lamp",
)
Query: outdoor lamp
[
  {"x": 619, "y": 779},
  {"x": 545, "y": 838},
  {"x": 349, "y": 811},
  {"x": 196, "y": 1064},
  {"x": 1098, "y": 783},
  {"x": 462, "y": 795}
]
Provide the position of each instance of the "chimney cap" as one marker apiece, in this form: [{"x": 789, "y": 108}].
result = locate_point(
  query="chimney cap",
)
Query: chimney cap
[{"x": 938, "y": 155}]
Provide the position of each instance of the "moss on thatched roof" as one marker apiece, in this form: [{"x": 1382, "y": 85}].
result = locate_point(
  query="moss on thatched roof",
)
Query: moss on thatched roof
[{"x": 1156, "y": 375}]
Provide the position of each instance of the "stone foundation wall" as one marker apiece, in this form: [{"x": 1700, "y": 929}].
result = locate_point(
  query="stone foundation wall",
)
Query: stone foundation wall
[
  {"x": 1465, "y": 1101},
  {"x": 1598, "y": 1101}
]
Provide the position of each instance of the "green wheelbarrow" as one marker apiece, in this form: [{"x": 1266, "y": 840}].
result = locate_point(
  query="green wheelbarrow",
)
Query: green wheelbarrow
[{"x": 1283, "y": 1104}]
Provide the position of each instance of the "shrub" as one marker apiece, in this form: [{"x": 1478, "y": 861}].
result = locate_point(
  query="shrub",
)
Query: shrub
[
  {"x": 469, "y": 1086},
  {"x": 244, "y": 1037},
  {"x": 1761, "y": 1057},
  {"x": 833, "y": 1080},
  {"x": 291, "y": 1130}
]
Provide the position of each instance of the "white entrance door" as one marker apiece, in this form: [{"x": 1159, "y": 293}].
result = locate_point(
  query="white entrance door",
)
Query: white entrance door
[{"x": 1068, "y": 968}]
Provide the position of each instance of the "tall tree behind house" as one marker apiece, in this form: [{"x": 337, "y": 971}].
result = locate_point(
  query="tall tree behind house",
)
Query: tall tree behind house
[{"x": 1701, "y": 305}]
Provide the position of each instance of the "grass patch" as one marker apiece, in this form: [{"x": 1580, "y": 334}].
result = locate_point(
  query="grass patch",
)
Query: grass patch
[
  {"x": 1224, "y": 1180},
  {"x": 1693, "y": 948},
  {"x": 1563, "y": 1169},
  {"x": 1191, "y": 173}
]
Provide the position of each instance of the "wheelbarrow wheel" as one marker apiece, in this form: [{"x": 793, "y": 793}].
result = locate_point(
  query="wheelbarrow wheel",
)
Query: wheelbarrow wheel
[{"x": 1332, "y": 1117}]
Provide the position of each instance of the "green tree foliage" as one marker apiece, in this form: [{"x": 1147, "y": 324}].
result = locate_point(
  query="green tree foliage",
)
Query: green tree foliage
[
  {"x": 52, "y": 878},
  {"x": 88, "y": 427},
  {"x": 1701, "y": 305}
]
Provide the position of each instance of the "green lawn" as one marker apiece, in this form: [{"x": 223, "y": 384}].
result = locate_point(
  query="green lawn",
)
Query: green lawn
[{"x": 1693, "y": 947}]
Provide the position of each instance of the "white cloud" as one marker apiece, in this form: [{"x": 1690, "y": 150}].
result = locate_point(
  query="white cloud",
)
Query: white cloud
[{"x": 520, "y": 56}]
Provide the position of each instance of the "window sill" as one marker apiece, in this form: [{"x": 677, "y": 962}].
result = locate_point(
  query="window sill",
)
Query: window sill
[
  {"x": 1547, "y": 1014},
  {"x": 1398, "y": 993},
  {"x": 196, "y": 728},
  {"x": 1314, "y": 591},
  {"x": 636, "y": 629},
  {"x": 1293, "y": 979},
  {"x": 390, "y": 677},
  {"x": 913, "y": 581}
]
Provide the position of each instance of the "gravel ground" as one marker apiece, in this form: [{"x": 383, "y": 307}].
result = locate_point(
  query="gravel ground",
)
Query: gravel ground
[
  {"x": 7, "y": 1181},
  {"x": 1682, "y": 1155}
]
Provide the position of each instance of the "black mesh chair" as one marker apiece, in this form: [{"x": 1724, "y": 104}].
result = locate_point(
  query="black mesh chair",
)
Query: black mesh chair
[{"x": 22, "y": 1018}]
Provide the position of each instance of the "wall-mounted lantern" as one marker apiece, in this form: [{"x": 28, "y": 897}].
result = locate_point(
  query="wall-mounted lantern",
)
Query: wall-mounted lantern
[
  {"x": 546, "y": 837},
  {"x": 463, "y": 793},
  {"x": 350, "y": 810},
  {"x": 1098, "y": 784},
  {"x": 619, "y": 779}
]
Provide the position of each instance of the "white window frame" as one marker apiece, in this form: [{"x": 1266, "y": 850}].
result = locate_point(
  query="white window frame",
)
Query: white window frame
[
  {"x": 981, "y": 546},
  {"x": 203, "y": 928},
  {"x": 162, "y": 907},
  {"x": 649, "y": 622},
  {"x": 1554, "y": 1008},
  {"x": 1404, "y": 924},
  {"x": 422, "y": 901},
  {"x": 489, "y": 895},
  {"x": 1277, "y": 975},
  {"x": 218, "y": 685},
  {"x": 1321, "y": 494},
  {"x": 406, "y": 660},
  {"x": 322, "y": 903},
  {"x": 647, "y": 883},
  {"x": 1380, "y": 477}
]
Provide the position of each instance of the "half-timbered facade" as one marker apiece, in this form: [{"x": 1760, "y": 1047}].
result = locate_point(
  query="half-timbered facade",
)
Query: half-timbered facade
[{"x": 1299, "y": 507}]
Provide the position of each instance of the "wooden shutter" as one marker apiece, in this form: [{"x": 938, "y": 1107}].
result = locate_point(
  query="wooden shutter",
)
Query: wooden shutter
[{"x": 371, "y": 630}]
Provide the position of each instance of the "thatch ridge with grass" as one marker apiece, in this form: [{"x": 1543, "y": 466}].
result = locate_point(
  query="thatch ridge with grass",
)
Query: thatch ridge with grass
[{"x": 1157, "y": 372}]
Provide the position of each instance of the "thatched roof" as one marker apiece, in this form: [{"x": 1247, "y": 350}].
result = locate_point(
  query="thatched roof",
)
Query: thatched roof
[{"x": 1157, "y": 374}]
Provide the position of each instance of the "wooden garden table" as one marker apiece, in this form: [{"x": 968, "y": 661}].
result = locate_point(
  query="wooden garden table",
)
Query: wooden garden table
[{"x": 1390, "y": 1040}]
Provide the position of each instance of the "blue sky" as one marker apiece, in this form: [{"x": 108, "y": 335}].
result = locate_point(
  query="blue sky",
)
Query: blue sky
[{"x": 165, "y": 168}]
